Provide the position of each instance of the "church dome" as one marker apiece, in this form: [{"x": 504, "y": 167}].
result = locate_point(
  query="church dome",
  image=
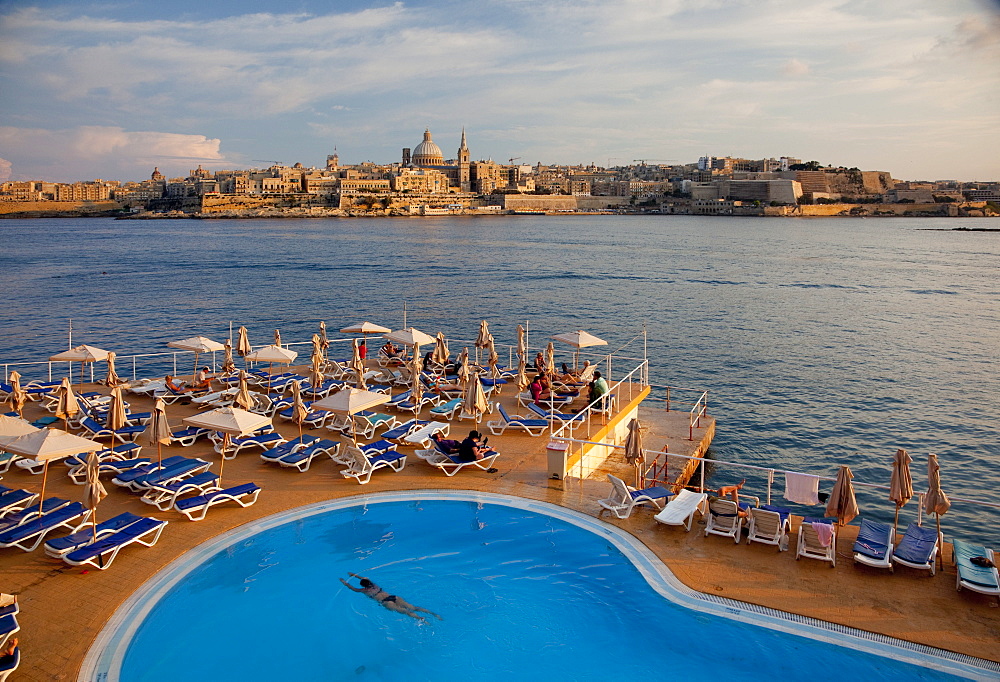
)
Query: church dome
[{"x": 427, "y": 153}]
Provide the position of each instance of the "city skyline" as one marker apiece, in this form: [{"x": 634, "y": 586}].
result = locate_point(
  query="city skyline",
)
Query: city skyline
[{"x": 109, "y": 91}]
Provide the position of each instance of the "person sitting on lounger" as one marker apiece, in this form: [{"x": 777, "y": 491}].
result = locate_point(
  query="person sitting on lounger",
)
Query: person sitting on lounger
[
  {"x": 598, "y": 388},
  {"x": 173, "y": 387},
  {"x": 733, "y": 491},
  {"x": 573, "y": 377},
  {"x": 472, "y": 448},
  {"x": 446, "y": 445},
  {"x": 202, "y": 380},
  {"x": 540, "y": 363},
  {"x": 9, "y": 653},
  {"x": 390, "y": 601},
  {"x": 539, "y": 390},
  {"x": 439, "y": 385},
  {"x": 390, "y": 350}
]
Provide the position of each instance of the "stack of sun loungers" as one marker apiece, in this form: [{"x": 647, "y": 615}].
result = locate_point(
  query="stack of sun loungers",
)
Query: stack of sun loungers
[{"x": 113, "y": 535}]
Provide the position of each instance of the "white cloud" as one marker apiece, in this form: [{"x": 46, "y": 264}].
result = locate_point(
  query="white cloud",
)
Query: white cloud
[
  {"x": 794, "y": 68},
  {"x": 5, "y": 170}
]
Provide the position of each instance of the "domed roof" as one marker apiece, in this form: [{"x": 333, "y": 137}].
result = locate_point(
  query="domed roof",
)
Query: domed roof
[{"x": 427, "y": 151}]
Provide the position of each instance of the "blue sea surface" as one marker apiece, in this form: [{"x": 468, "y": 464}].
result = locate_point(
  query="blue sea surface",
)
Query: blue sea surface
[
  {"x": 822, "y": 341},
  {"x": 521, "y": 596}
]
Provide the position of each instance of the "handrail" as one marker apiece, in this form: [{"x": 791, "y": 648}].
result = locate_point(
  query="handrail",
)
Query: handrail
[
  {"x": 770, "y": 471},
  {"x": 642, "y": 370},
  {"x": 694, "y": 419}
]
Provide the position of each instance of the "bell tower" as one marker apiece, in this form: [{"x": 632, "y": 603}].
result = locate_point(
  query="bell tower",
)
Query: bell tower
[{"x": 464, "y": 181}]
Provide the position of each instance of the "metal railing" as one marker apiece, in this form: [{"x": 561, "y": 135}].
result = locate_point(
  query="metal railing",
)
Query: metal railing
[{"x": 699, "y": 410}]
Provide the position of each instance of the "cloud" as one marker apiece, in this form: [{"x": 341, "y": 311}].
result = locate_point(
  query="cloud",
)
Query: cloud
[
  {"x": 5, "y": 170},
  {"x": 794, "y": 68},
  {"x": 66, "y": 155}
]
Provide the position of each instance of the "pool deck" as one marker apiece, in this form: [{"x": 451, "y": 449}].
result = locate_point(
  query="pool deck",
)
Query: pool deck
[{"x": 63, "y": 608}]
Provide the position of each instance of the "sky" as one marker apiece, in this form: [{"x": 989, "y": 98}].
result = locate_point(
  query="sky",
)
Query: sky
[{"x": 113, "y": 89}]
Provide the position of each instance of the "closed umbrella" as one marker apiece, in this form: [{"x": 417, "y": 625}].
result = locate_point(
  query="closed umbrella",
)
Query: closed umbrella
[
  {"x": 522, "y": 375},
  {"x": 45, "y": 445},
  {"x": 243, "y": 399},
  {"x": 484, "y": 337},
  {"x": 901, "y": 483},
  {"x": 317, "y": 346},
  {"x": 158, "y": 431},
  {"x": 416, "y": 385},
  {"x": 228, "y": 366},
  {"x": 18, "y": 396},
  {"x": 935, "y": 501},
  {"x": 82, "y": 354},
  {"x": 550, "y": 360},
  {"x": 112, "y": 379},
  {"x": 358, "y": 365},
  {"x": 277, "y": 337},
  {"x": 231, "y": 421},
  {"x": 493, "y": 359},
  {"x": 475, "y": 398},
  {"x": 440, "y": 355},
  {"x": 463, "y": 366},
  {"x": 316, "y": 378},
  {"x": 197, "y": 345},
  {"x": 299, "y": 411},
  {"x": 68, "y": 406},
  {"x": 243, "y": 348},
  {"x": 324, "y": 340},
  {"x": 94, "y": 492},
  {"x": 633, "y": 448},
  {"x": 842, "y": 504},
  {"x": 116, "y": 414},
  {"x": 522, "y": 346}
]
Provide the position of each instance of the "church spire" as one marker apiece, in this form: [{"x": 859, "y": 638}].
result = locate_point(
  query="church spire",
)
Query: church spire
[{"x": 463, "y": 146}]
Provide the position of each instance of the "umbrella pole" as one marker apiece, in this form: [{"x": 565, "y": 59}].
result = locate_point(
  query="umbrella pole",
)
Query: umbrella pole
[
  {"x": 937, "y": 517},
  {"x": 45, "y": 476},
  {"x": 895, "y": 523},
  {"x": 222, "y": 462},
  {"x": 159, "y": 455}
]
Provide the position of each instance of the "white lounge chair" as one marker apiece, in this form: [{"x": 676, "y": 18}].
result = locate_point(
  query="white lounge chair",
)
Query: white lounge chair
[
  {"x": 624, "y": 498},
  {"x": 421, "y": 437},
  {"x": 680, "y": 510},
  {"x": 195, "y": 508},
  {"x": 724, "y": 519},
  {"x": 361, "y": 467},
  {"x": 450, "y": 464},
  {"x": 810, "y": 546},
  {"x": 534, "y": 427},
  {"x": 770, "y": 526},
  {"x": 873, "y": 546}
]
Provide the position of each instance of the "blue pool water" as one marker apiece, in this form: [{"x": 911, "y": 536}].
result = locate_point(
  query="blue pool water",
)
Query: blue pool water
[{"x": 522, "y": 595}]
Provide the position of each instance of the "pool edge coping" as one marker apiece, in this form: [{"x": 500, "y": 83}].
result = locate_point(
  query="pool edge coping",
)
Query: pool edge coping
[{"x": 104, "y": 658}]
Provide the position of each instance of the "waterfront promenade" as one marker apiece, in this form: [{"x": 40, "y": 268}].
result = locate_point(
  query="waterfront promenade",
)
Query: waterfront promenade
[{"x": 63, "y": 608}]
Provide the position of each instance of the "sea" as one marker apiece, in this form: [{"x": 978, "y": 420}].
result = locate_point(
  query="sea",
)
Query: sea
[{"x": 821, "y": 341}]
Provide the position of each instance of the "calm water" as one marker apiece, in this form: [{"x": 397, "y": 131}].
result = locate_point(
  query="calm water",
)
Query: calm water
[
  {"x": 822, "y": 341},
  {"x": 522, "y": 596}
]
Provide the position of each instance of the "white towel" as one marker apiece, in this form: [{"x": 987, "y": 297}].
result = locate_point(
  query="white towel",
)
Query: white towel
[{"x": 801, "y": 488}]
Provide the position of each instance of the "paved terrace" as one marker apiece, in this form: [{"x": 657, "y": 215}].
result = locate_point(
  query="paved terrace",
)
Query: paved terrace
[{"x": 63, "y": 608}]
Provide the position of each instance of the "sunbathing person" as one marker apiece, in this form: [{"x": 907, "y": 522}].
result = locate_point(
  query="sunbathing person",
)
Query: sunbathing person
[
  {"x": 540, "y": 363},
  {"x": 539, "y": 390},
  {"x": 733, "y": 491},
  {"x": 576, "y": 377},
  {"x": 472, "y": 449},
  {"x": 390, "y": 350},
  {"x": 202, "y": 380},
  {"x": 446, "y": 445},
  {"x": 9, "y": 653},
  {"x": 173, "y": 387},
  {"x": 389, "y": 601}
]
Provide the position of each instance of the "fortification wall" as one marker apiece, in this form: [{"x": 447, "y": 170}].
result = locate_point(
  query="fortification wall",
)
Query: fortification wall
[{"x": 11, "y": 209}]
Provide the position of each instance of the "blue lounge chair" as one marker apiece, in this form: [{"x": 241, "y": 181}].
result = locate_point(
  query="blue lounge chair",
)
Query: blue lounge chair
[
  {"x": 873, "y": 546},
  {"x": 7, "y": 668},
  {"x": 8, "y": 623},
  {"x": 163, "y": 495},
  {"x": 79, "y": 474},
  {"x": 918, "y": 548},
  {"x": 100, "y": 554},
  {"x": 573, "y": 420},
  {"x": 624, "y": 498},
  {"x": 15, "y": 500},
  {"x": 124, "y": 478},
  {"x": 195, "y": 508},
  {"x": 168, "y": 475},
  {"x": 264, "y": 441},
  {"x": 377, "y": 447},
  {"x": 365, "y": 424},
  {"x": 288, "y": 447},
  {"x": 27, "y": 536},
  {"x": 57, "y": 547},
  {"x": 449, "y": 464},
  {"x": 447, "y": 410},
  {"x": 302, "y": 459},
  {"x": 118, "y": 452},
  {"x": 25, "y": 515},
  {"x": 534, "y": 427},
  {"x": 96, "y": 431},
  {"x": 361, "y": 465},
  {"x": 972, "y": 576},
  {"x": 188, "y": 436}
]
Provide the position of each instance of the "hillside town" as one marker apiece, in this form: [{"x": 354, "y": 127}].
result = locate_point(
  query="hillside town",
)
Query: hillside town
[{"x": 423, "y": 182}]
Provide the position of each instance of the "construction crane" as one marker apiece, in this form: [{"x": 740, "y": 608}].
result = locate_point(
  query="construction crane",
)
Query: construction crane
[
  {"x": 653, "y": 161},
  {"x": 273, "y": 163},
  {"x": 510, "y": 162}
]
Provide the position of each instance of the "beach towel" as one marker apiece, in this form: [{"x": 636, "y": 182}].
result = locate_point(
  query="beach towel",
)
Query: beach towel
[
  {"x": 801, "y": 488},
  {"x": 824, "y": 532}
]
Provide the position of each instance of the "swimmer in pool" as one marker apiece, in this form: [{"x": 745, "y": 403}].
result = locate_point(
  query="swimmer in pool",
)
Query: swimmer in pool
[{"x": 389, "y": 601}]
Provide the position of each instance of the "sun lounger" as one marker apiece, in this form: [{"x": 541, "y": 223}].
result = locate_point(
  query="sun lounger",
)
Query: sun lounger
[
  {"x": 769, "y": 525},
  {"x": 810, "y": 541},
  {"x": 117, "y": 452},
  {"x": 195, "y": 508},
  {"x": 561, "y": 418},
  {"x": 448, "y": 409},
  {"x": 525, "y": 400},
  {"x": 168, "y": 475},
  {"x": 15, "y": 500},
  {"x": 6, "y": 459},
  {"x": 982, "y": 579},
  {"x": 421, "y": 436},
  {"x": 124, "y": 478},
  {"x": 680, "y": 510},
  {"x": 408, "y": 405},
  {"x": 624, "y": 498},
  {"x": 873, "y": 546},
  {"x": 113, "y": 466},
  {"x": 8, "y": 618},
  {"x": 29, "y": 535},
  {"x": 917, "y": 548},
  {"x": 188, "y": 436},
  {"x": 450, "y": 464},
  {"x": 287, "y": 448},
  {"x": 25, "y": 515},
  {"x": 10, "y": 667},
  {"x": 163, "y": 495},
  {"x": 303, "y": 459},
  {"x": 264, "y": 441},
  {"x": 57, "y": 547},
  {"x": 102, "y": 553},
  {"x": 400, "y": 431},
  {"x": 724, "y": 519},
  {"x": 95, "y": 431},
  {"x": 361, "y": 466},
  {"x": 534, "y": 427}
]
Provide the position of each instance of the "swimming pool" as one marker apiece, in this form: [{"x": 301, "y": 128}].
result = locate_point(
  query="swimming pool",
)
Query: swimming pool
[{"x": 525, "y": 589}]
